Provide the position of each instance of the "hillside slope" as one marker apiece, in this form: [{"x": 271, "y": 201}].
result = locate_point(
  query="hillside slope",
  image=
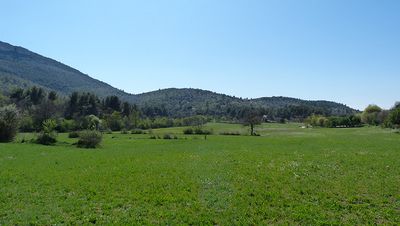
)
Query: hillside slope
[
  {"x": 183, "y": 102},
  {"x": 20, "y": 67}
]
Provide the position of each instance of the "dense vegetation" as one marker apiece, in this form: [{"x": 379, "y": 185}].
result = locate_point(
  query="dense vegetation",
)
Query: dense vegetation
[
  {"x": 287, "y": 176},
  {"x": 21, "y": 68}
]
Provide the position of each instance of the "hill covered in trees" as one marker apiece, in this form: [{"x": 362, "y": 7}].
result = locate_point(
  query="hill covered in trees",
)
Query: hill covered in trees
[
  {"x": 21, "y": 68},
  {"x": 186, "y": 102}
]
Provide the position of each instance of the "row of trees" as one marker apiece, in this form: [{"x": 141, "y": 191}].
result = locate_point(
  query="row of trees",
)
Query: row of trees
[
  {"x": 372, "y": 115},
  {"x": 35, "y": 109},
  {"x": 74, "y": 112}
]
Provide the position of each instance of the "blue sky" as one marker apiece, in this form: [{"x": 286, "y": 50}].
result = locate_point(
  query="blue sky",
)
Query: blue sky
[{"x": 346, "y": 51}]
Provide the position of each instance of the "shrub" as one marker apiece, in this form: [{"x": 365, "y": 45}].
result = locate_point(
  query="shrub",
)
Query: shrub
[
  {"x": 168, "y": 137},
  {"x": 73, "y": 134},
  {"x": 153, "y": 137},
  {"x": 26, "y": 124},
  {"x": 124, "y": 131},
  {"x": 200, "y": 131},
  {"x": 394, "y": 118},
  {"x": 230, "y": 133},
  {"x": 89, "y": 139},
  {"x": 65, "y": 125},
  {"x": 188, "y": 131},
  {"x": 138, "y": 131},
  {"x": 114, "y": 121},
  {"x": 47, "y": 136},
  {"x": 9, "y": 119}
]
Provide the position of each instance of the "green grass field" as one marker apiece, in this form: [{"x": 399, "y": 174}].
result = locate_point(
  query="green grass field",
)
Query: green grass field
[{"x": 289, "y": 175}]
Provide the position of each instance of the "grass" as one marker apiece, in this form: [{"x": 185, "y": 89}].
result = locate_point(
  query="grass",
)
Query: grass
[{"x": 288, "y": 175}]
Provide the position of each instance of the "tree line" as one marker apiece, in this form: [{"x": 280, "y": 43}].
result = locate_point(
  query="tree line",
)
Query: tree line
[
  {"x": 75, "y": 112},
  {"x": 372, "y": 115}
]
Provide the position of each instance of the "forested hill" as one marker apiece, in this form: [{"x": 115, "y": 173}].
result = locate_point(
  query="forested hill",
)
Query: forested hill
[
  {"x": 22, "y": 68},
  {"x": 184, "y": 102}
]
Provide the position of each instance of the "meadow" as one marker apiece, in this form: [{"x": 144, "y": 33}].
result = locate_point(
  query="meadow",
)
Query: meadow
[{"x": 288, "y": 175}]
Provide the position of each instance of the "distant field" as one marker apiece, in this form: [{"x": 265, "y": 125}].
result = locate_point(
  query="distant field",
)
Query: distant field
[{"x": 288, "y": 175}]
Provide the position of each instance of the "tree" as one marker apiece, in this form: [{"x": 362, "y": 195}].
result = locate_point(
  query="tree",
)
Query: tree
[
  {"x": 17, "y": 94},
  {"x": 93, "y": 122},
  {"x": 113, "y": 103},
  {"x": 126, "y": 109},
  {"x": 3, "y": 100},
  {"x": 252, "y": 117},
  {"x": 114, "y": 121},
  {"x": 36, "y": 95},
  {"x": 48, "y": 136},
  {"x": 370, "y": 115},
  {"x": 394, "y": 118},
  {"x": 9, "y": 120},
  {"x": 52, "y": 96},
  {"x": 72, "y": 105}
]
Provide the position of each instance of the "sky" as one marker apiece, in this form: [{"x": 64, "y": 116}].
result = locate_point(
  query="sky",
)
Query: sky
[{"x": 346, "y": 51}]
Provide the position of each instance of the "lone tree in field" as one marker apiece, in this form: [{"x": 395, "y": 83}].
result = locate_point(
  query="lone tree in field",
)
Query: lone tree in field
[
  {"x": 251, "y": 117},
  {"x": 9, "y": 119}
]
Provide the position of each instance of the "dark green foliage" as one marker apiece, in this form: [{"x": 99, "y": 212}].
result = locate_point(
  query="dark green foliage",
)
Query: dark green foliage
[
  {"x": 9, "y": 121},
  {"x": 36, "y": 95},
  {"x": 167, "y": 137},
  {"x": 3, "y": 100},
  {"x": 89, "y": 139},
  {"x": 334, "y": 121},
  {"x": 201, "y": 131},
  {"x": 66, "y": 125},
  {"x": 52, "y": 96},
  {"x": 48, "y": 135},
  {"x": 252, "y": 117},
  {"x": 138, "y": 131},
  {"x": 23, "y": 68},
  {"x": 114, "y": 121},
  {"x": 188, "y": 131},
  {"x": 112, "y": 103},
  {"x": 230, "y": 133},
  {"x": 371, "y": 114},
  {"x": 73, "y": 134},
  {"x": 26, "y": 124},
  {"x": 178, "y": 103},
  {"x": 393, "y": 120}
]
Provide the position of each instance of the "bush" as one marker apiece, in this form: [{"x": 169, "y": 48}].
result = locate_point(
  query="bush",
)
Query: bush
[
  {"x": 230, "y": 133},
  {"x": 124, "y": 131},
  {"x": 169, "y": 137},
  {"x": 138, "y": 131},
  {"x": 9, "y": 119},
  {"x": 73, "y": 134},
  {"x": 65, "y": 125},
  {"x": 89, "y": 139},
  {"x": 200, "y": 131},
  {"x": 47, "y": 136},
  {"x": 26, "y": 124},
  {"x": 188, "y": 131}
]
